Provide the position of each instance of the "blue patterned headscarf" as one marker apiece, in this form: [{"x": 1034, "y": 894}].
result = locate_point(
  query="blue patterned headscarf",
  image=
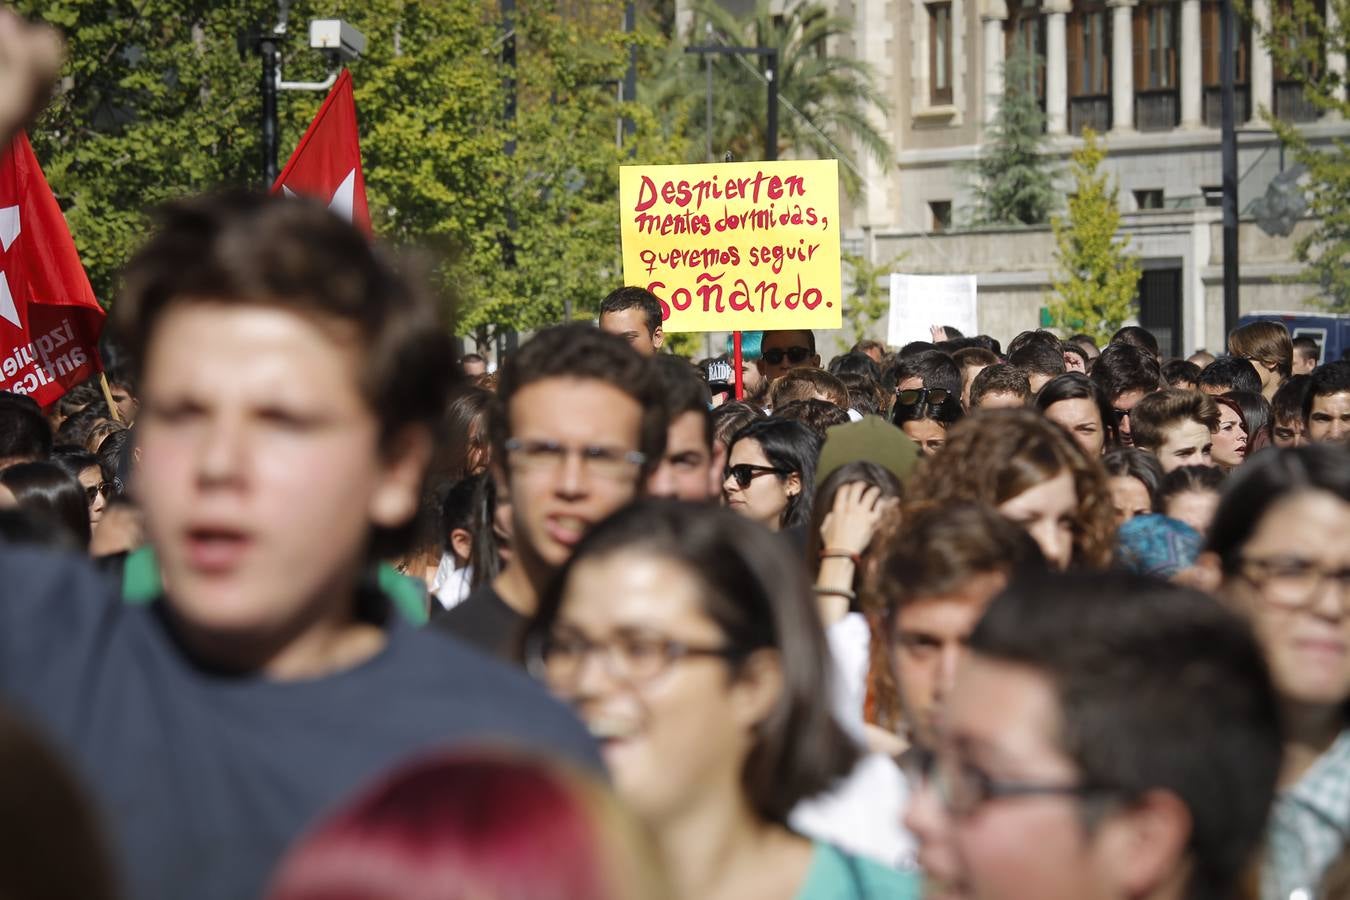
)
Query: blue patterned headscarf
[{"x": 1157, "y": 545}]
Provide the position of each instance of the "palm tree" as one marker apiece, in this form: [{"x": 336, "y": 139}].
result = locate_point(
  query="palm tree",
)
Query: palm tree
[{"x": 826, "y": 102}]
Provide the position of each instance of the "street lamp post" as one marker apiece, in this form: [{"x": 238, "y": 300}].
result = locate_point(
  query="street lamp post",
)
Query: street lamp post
[
  {"x": 1228, "y": 67},
  {"x": 770, "y": 152}
]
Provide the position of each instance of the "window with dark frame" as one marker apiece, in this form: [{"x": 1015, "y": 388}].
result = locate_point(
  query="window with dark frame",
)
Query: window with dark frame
[
  {"x": 1156, "y": 27},
  {"x": 1291, "y": 101},
  {"x": 1024, "y": 32},
  {"x": 1155, "y": 46},
  {"x": 1210, "y": 72},
  {"x": 1089, "y": 67},
  {"x": 940, "y": 53},
  {"x": 1149, "y": 198},
  {"x": 941, "y": 211}
]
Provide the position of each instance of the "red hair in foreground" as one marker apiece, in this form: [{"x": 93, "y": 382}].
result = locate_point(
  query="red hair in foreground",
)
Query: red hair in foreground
[{"x": 456, "y": 827}]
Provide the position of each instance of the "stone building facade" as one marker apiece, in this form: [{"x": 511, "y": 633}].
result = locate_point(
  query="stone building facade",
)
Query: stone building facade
[{"x": 1142, "y": 73}]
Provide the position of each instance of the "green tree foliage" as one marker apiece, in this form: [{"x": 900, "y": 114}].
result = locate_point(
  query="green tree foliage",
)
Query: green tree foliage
[
  {"x": 1014, "y": 182},
  {"x": 828, "y": 101},
  {"x": 160, "y": 102},
  {"x": 870, "y": 299},
  {"x": 1300, "y": 41},
  {"x": 1098, "y": 275}
]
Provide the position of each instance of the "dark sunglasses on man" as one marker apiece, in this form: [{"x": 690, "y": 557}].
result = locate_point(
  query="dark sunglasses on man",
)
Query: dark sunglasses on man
[{"x": 795, "y": 355}]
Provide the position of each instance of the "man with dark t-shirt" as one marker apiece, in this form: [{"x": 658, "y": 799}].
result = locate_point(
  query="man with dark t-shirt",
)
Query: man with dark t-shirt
[
  {"x": 577, "y": 425},
  {"x": 290, "y": 385}
]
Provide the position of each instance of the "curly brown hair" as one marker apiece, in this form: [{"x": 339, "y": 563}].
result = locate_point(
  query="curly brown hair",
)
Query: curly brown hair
[{"x": 994, "y": 455}]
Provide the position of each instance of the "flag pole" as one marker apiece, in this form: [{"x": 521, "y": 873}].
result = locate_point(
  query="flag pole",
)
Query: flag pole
[
  {"x": 107, "y": 395},
  {"x": 737, "y": 362}
]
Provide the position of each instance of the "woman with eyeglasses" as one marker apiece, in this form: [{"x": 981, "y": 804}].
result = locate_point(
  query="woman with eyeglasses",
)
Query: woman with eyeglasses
[
  {"x": 1032, "y": 472},
  {"x": 690, "y": 645},
  {"x": 770, "y": 473},
  {"x": 1281, "y": 543},
  {"x": 924, "y": 415},
  {"x": 85, "y": 468}
]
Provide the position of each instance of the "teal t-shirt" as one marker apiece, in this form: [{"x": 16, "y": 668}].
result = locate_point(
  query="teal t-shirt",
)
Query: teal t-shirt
[
  {"x": 141, "y": 584},
  {"x": 836, "y": 875}
]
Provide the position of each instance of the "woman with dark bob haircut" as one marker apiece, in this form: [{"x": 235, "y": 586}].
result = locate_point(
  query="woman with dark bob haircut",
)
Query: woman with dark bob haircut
[
  {"x": 1075, "y": 403},
  {"x": 48, "y": 490},
  {"x": 1279, "y": 544},
  {"x": 688, "y": 641},
  {"x": 771, "y": 473}
]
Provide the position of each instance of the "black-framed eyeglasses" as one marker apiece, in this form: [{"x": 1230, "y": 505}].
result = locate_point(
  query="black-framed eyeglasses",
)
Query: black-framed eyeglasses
[
  {"x": 605, "y": 462},
  {"x": 1292, "y": 582},
  {"x": 634, "y": 658},
  {"x": 744, "y": 473},
  {"x": 795, "y": 355},
  {"x": 964, "y": 787},
  {"x": 934, "y": 397}
]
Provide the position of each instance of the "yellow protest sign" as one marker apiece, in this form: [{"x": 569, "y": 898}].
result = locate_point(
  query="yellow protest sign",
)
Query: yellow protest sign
[{"x": 735, "y": 246}]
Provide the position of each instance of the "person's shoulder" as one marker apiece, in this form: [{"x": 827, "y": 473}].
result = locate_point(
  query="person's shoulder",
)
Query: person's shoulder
[
  {"x": 54, "y": 608},
  {"x": 452, "y": 673},
  {"x": 838, "y": 875},
  {"x": 482, "y": 600},
  {"x": 44, "y": 584}
]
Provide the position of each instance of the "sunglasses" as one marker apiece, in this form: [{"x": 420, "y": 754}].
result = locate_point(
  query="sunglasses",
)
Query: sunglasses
[
  {"x": 746, "y": 473},
  {"x": 794, "y": 355},
  {"x": 934, "y": 397},
  {"x": 106, "y": 488}
]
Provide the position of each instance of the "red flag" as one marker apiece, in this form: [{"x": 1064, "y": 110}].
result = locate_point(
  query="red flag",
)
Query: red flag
[
  {"x": 49, "y": 320},
  {"x": 327, "y": 164}
]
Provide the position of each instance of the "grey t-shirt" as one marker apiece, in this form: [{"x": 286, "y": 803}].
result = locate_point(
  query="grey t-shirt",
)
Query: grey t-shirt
[{"x": 204, "y": 778}]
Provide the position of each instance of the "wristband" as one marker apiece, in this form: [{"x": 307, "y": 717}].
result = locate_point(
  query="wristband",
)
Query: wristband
[
  {"x": 830, "y": 553},
  {"x": 851, "y": 596}
]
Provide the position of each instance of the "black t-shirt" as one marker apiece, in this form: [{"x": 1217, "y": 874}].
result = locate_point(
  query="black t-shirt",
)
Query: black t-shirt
[
  {"x": 485, "y": 621},
  {"x": 203, "y": 778}
]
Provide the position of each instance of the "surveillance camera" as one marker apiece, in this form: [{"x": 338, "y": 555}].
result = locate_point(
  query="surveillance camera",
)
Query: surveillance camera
[{"x": 339, "y": 38}]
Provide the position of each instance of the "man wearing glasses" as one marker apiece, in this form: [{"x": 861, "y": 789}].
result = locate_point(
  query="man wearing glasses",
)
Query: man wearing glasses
[
  {"x": 784, "y": 350},
  {"x": 1102, "y": 740},
  {"x": 577, "y": 425}
]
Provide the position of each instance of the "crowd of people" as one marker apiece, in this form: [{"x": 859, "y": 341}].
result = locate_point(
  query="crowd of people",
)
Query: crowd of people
[{"x": 303, "y": 606}]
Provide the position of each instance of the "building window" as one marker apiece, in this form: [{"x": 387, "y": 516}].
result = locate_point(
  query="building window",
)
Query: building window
[
  {"x": 1150, "y": 198},
  {"x": 1213, "y": 194},
  {"x": 1291, "y": 102},
  {"x": 1089, "y": 65},
  {"x": 941, "y": 212},
  {"x": 1024, "y": 33},
  {"x": 940, "y": 53},
  {"x": 1157, "y": 102},
  {"x": 1210, "y": 71},
  {"x": 1155, "y": 47}
]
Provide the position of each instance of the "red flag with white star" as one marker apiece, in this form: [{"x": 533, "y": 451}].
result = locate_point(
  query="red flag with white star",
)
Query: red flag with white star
[
  {"x": 327, "y": 163},
  {"x": 49, "y": 320}
]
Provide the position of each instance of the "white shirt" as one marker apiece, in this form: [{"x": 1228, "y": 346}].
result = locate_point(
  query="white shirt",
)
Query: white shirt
[
  {"x": 450, "y": 586},
  {"x": 863, "y": 813}
]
